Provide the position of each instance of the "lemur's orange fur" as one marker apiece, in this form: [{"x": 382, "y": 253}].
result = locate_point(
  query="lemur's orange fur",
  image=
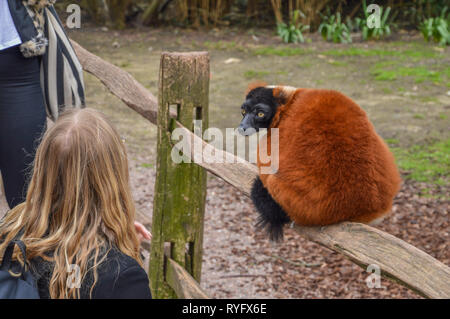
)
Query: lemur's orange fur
[
  {"x": 333, "y": 166},
  {"x": 254, "y": 85}
]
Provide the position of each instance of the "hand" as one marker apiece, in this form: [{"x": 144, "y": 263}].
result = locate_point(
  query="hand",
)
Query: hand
[{"x": 142, "y": 232}]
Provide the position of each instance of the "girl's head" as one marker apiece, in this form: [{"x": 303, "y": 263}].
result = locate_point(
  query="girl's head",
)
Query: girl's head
[{"x": 79, "y": 201}]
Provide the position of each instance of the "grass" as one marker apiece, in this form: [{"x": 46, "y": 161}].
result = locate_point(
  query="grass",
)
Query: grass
[
  {"x": 354, "y": 51},
  {"x": 305, "y": 64},
  {"x": 252, "y": 74},
  {"x": 259, "y": 50},
  {"x": 124, "y": 64},
  {"x": 428, "y": 99},
  {"x": 221, "y": 45},
  {"x": 392, "y": 141},
  {"x": 428, "y": 193},
  {"x": 420, "y": 74},
  {"x": 280, "y": 51},
  {"x": 422, "y": 53},
  {"x": 338, "y": 63},
  {"x": 426, "y": 163}
]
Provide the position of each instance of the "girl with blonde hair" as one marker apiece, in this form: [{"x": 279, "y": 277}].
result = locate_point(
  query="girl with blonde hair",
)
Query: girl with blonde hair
[{"x": 78, "y": 218}]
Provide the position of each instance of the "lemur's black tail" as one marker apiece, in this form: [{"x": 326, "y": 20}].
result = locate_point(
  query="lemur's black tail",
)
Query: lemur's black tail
[{"x": 272, "y": 217}]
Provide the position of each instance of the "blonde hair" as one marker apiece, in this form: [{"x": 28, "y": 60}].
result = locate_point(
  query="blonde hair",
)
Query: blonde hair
[{"x": 78, "y": 203}]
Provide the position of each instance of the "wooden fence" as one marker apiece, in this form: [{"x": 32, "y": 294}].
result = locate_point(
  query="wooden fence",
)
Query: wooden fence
[{"x": 362, "y": 244}]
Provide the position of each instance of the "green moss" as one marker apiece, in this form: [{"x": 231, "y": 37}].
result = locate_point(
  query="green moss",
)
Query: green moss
[
  {"x": 418, "y": 116},
  {"x": 280, "y": 51},
  {"x": 338, "y": 63},
  {"x": 426, "y": 99},
  {"x": 305, "y": 64},
  {"x": 221, "y": 45},
  {"x": 385, "y": 63},
  {"x": 355, "y": 51},
  {"x": 420, "y": 54},
  {"x": 384, "y": 75},
  {"x": 392, "y": 141},
  {"x": 252, "y": 74},
  {"x": 426, "y": 163},
  {"x": 125, "y": 64},
  {"x": 428, "y": 193},
  {"x": 419, "y": 74},
  {"x": 147, "y": 165}
]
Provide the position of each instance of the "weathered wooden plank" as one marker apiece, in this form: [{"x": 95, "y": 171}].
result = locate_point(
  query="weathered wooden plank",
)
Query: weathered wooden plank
[
  {"x": 184, "y": 285},
  {"x": 120, "y": 83},
  {"x": 239, "y": 173},
  {"x": 180, "y": 189},
  {"x": 398, "y": 260}
]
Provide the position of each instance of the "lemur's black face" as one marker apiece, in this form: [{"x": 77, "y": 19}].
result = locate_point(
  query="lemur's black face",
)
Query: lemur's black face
[{"x": 258, "y": 110}]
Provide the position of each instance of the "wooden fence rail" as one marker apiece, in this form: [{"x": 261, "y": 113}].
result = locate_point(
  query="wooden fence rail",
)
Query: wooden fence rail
[
  {"x": 184, "y": 285},
  {"x": 362, "y": 244}
]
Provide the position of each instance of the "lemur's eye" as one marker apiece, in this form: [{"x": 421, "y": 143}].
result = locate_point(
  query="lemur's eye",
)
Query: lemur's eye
[
  {"x": 243, "y": 112},
  {"x": 260, "y": 114}
]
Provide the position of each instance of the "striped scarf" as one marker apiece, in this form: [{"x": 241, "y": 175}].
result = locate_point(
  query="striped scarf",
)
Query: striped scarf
[{"x": 61, "y": 72}]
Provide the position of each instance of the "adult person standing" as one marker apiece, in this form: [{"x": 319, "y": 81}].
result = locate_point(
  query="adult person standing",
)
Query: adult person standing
[{"x": 39, "y": 76}]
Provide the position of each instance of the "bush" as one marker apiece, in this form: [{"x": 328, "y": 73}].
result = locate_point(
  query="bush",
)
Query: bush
[
  {"x": 352, "y": 25},
  {"x": 292, "y": 32},
  {"x": 333, "y": 29},
  {"x": 436, "y": 29}
]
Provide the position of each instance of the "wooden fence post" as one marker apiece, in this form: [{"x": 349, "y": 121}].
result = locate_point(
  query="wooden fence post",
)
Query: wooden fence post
[{"x": 180, "y": 189}]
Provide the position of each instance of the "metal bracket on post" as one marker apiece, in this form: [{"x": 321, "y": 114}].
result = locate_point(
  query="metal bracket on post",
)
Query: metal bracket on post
[{"x": 180, "y": 189}]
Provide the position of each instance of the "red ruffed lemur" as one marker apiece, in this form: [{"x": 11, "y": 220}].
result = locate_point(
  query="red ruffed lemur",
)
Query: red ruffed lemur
[{"x": 332, "y": 165}]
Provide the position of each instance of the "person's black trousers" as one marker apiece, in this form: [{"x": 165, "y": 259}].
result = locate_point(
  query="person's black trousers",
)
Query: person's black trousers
[{"x": 22, "y": 121}]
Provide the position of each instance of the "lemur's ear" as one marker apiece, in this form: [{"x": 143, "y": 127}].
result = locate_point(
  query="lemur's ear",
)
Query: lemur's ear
[
  {"x": 284, "y": 92},
  {"x": 255, "y": 85}
]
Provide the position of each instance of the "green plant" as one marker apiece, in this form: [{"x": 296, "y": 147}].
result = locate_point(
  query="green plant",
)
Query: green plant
[
  {"x": 425, "y": 163},
  {"x": 292, "y": 32},
  {"x": 252, "y": 74},
  {"x": 420, "y": 74},
  {"x": 352, "y": 25},
  {"x": 384, "y": 29},
  {"x": 333, "y": 29},
  {"x": 437, "y": 28}
]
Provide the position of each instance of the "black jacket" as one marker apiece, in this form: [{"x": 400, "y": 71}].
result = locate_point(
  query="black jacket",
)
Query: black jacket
[
  {"x": 119, "y": 277},
  {"x": 39, "y": 27},
  {"x": 28, "y": 17}
]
